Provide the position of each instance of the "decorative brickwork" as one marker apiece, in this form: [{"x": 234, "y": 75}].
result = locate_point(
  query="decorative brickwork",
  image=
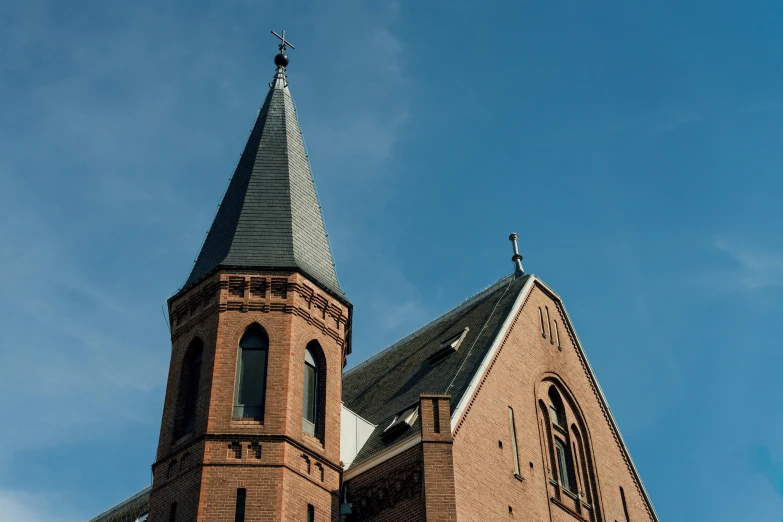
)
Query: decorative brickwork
[
  {"x": 282, "y": 468},
  {"x": 484, "y": 470},
  {"x": 390, "y": 492}
]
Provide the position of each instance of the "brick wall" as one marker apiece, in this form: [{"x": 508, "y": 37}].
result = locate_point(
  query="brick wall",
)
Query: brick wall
[
  {"x": 282, "y": 468},
  {"x": 391, "y": 491},
  {"x": 436, "y": 441},
  {"x": 483, "y": 458}
]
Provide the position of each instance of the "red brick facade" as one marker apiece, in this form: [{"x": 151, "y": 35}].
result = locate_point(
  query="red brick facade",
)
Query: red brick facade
[
  {"x": 466, "y": 473},
  {"x": 470, "y": 475},
  {"x": 529, "y": 360},
  {"x": 282, "y": 468}
]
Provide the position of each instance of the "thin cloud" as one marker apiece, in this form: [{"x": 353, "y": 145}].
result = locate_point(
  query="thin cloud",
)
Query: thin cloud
[
  {"x": 755, "y": 268},
  {"x": 33, "y": 507},
  {"x": 770, "y": 467}
]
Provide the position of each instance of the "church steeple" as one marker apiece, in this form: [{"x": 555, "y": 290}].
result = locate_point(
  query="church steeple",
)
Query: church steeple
[
  {"x": 270, "y": 217},
  {"x": 259, "y": 335}
]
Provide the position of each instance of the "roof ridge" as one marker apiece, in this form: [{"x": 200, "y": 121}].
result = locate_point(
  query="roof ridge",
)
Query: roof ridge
[
  {"x": 443, "y": 317},
  {"x": 124, "y": 503}
]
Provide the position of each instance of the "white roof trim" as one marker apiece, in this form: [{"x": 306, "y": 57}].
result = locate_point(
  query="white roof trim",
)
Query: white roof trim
[
  {"x": 603, "y": 398},
  {"x": 381, "y": 457},
  {"x": 468, "y": 395}
]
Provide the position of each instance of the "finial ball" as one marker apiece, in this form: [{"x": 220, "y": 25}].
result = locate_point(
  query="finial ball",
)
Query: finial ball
[
  {"x": 513, "y": 236},
  {"x": 281, "y": 60}
]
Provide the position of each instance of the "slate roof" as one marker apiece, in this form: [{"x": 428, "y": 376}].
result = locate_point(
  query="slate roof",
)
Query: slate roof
[
  {"x": 128, "y": 510},
  {"x": 392, "y": 380},
  {"x": 270, "y": 216}
]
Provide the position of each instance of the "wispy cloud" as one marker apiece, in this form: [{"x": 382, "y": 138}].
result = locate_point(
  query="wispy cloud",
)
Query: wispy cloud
[
  {"x": 771, "y": 467},
  {"x": 25, "y": 506},
  {"x": 755, "y": 268}
]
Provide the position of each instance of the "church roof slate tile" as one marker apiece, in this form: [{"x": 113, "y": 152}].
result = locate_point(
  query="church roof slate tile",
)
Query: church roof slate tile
[
  {"x": 270, "y": 216},
  {"x": 392, "y": 380},
  {"x": 128, "y": 510}
]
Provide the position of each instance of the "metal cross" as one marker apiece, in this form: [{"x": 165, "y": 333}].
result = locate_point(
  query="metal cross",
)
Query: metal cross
[{"x": 283, "y": 42}]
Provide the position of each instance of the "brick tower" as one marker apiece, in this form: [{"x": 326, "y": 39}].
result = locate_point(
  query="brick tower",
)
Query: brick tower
[{"x": 260, "y": 332}]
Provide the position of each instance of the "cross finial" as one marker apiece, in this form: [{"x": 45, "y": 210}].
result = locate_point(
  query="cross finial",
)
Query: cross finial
[
  {"x": 283, "y": 42},
  {"x": 517, "y": 257}
]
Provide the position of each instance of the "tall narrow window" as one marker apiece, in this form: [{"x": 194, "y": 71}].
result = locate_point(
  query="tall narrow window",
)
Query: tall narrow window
[
  {"x": 569, "y": 455},
  {"x": 541, "y": 317},
  {"x": 513, "y": 441},
  {"x": 185, "y": 416},
  {"x": 251, "y": 374},
  {"x": 314, "y": 391},
  {"x": 239, "y": 512},
  {"x": 309, "y": 410},
  {"x": 556, "y": 410},
  {"x": 173, "y": 512},
  {"x": 557, "y": 334},
  {"x": 625, "y": 506},
  {"x": 562, "y": 467},
  {"x": 310, "y": 513}
]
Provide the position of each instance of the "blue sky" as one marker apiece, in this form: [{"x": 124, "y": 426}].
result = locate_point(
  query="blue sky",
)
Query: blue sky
[{"x": 634, "y": 146}]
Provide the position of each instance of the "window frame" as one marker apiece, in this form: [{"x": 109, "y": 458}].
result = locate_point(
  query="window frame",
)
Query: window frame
[
  {"x": 309, "y": 426},
  {"x": 562, "y": 464},
  {"x": 244, "y": 411}
]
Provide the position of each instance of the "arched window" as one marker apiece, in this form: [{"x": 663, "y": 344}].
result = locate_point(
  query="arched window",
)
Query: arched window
[
  {"x": 556, "y": 410},
  {"x": 310, "y": 393},
  {"x": 569, "y": 456},
  {"x": 187, "y": 400},
  {"x": 251, "y": 374},
  {"x": 314, "y": 391}
]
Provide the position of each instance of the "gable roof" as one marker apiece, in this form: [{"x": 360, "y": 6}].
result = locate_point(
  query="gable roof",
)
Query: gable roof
[
  {"x": 270, "y": 217},
  {"x": 393, "y": 378},
  {"x": 391, "y": 381}
]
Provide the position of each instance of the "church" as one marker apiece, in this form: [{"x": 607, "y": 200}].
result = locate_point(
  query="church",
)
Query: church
[{"x": 490, "y": 412}]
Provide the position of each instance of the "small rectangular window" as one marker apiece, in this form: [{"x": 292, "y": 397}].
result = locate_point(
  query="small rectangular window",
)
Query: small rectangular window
[
  {"x": 239, "y": 515},
  {"x": 310, "y": 513},
  {"x": 513, "y": 441}
]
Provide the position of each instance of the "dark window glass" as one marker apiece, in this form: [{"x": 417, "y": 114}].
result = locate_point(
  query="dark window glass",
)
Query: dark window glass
[
  {"x": 251, "y": 374},
  {"x": 173, "y": 512},
  {"x": 310, "y": 513},
  {"x": 562, "y": 465},
  {"x": 240, "y": 509},
  {"x": 310, "y": 387},
  {"x": 556, "y": 408},
  {"x": 191, "y": 394},
  {"x": 188, "y": 389}
]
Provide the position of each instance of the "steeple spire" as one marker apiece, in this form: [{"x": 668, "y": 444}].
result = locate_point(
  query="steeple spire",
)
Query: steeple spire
[{"x": 270, "y": 217}]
